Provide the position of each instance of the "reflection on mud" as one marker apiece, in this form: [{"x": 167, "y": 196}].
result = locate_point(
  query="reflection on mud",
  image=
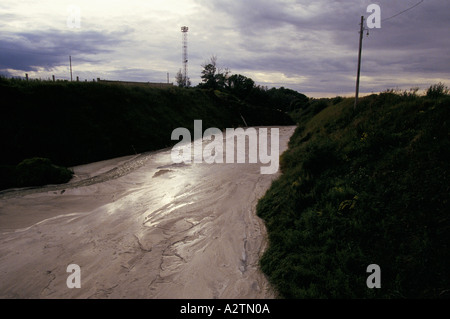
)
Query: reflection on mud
[{"x": 143, "y": 228}]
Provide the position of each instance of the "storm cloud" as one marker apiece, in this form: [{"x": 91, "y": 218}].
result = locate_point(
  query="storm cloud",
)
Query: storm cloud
[
  {"x": 50, "y": 48},
  {"x": 309, "y": 46}
]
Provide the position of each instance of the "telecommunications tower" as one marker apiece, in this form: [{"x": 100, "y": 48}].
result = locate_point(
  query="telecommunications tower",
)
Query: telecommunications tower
[{"x": 184, "y": 31}]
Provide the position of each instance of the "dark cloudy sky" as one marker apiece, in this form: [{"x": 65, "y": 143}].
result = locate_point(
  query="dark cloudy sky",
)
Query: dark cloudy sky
[{"x": 309, "y": 46}]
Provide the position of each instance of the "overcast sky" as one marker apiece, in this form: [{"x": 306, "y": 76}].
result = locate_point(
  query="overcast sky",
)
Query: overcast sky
[{"x": 308, "y": 46}]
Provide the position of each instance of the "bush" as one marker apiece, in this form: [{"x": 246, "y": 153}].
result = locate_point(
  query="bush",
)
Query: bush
[
  {"x": 437, "y": 90},
  {"x": 360, "y": 187},
  {"x": 319, "y": 105},
  {"x": 40, "y": 171},
  {"x": 319, "y": 156}
]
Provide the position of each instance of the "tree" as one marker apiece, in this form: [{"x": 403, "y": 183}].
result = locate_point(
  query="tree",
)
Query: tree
[
  {"x": 212, "y": 76},
  {"x": 209, "y": 76},
  {"x": 240, "y": 85},
  {"x": 181, "y": 80},
  {"x": 287, "y": 99}
]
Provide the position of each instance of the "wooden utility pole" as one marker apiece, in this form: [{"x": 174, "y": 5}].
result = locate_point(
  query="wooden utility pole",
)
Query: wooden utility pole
[{"x": 361, "y": 33}]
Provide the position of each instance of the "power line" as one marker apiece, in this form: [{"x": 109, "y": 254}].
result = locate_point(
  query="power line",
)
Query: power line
[{"x": 395, "y": 15}]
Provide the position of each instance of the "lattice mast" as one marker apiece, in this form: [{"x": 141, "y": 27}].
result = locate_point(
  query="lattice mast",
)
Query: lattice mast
[{"x": 184, "y": 31}]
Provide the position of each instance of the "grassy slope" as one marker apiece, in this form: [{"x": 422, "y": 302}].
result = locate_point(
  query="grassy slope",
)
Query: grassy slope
[
  {"x": 363, "y": 187},
  {"x": 73, "y": 123}
]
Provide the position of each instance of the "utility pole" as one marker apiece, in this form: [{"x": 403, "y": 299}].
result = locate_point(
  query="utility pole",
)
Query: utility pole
[
  {"x": 70, "y": 61},
  {"x": 361, "y": 33}
]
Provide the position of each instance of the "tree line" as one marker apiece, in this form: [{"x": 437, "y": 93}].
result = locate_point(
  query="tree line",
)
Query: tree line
[{"x": 244, "y": 88}]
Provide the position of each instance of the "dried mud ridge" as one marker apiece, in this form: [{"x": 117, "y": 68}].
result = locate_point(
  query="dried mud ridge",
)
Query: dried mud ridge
[{"x": 123, "y": 169}]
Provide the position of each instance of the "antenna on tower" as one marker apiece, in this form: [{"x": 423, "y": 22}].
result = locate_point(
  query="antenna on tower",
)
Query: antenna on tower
[{"x": 184, "y": 31}]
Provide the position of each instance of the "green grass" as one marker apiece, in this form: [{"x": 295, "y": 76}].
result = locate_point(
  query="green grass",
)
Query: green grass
[
  {"x": 73, "y": 123},
  {"x": 360, "y": 187}
]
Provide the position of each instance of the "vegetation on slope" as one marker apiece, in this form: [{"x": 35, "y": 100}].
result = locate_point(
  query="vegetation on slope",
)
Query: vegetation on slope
[
  {"x": 34, "y": 171},
  {"x": 363, "y": 186},
  {"x": 73, "y": 123}
]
